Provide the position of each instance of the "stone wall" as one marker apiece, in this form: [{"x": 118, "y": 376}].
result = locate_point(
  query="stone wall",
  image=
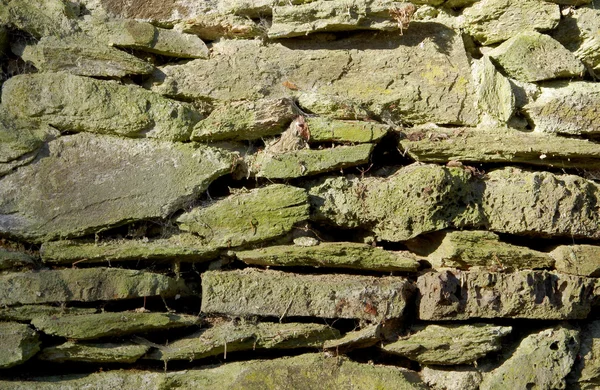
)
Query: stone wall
[{"x": 327, "y": 194}]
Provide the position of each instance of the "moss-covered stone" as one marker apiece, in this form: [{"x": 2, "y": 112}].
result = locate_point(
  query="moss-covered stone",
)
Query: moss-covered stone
[
  {"x": 583, "y": 260},
  {"x": 451, "y": 377},
  {"x": 578, "y": 32},
  {"x": 449, "y": 344},
  {"x": 280, "y": 294},
  {"x": 19, "y": 343},
  {"x": 10, "y": 259},
  {"x": 541, "y": 361},
  {"x": 20, "y": 136},
  {"x": 39, "y": 18},
  {"x": 93, "y": 326},
  {"x": 331, "y": 106},
  {"x": 331, "y": 255},
  {"x": 88, "y": 182},
  {"x": 245, "y": 120},
  {"x": 308, "y": 162},
  {"x": 93, "y": 352},
  {"x": 495, "y": 96},
  {"x": 323, "y": 129},
  {"x": 459, "y": 295},
  {"x": 531, "y": 56},
  {"x": 230, "y": 337},
  {"x": 73, "y": 103},
  {"x": 362, "y": 338},
  {"x": 247, "y": 217},
  {"x": 214, "y": 25},
  {"x": 492, "y": 21},
  {"x": 85, "y": 285},
  {"x": 29, "y": 312}
]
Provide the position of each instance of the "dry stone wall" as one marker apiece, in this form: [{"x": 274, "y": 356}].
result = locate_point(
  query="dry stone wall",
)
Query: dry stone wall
[{"x": 325, "y": 194}]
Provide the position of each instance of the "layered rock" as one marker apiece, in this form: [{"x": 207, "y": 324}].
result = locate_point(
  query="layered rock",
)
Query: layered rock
[
  {"x": 19, "y": 343},
  {"x": 28, "y": 312},
  {"x": 93, "y": 352}
]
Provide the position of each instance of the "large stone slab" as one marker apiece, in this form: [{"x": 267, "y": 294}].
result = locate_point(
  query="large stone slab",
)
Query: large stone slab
[
  {"x": 226, "y": 337},
  {"x": 492, "y": 21},
  {"x": 26, "y": 313},
  {"x": 583, "y": 260},
  {"x": 88, "y": 182},
  {"x": 19, "y": 343},
  {"x": 308, "y": 371},
  {"x": 93, "y": 326},
  {"x": 280, "y": 294},
  {"x": 434, "y": 88},
  {"x": 331, "y": 255},
  {"x": 542, "y": 360},
  {"x": 459, "y": 295},
  {"x": 93, "y": 352},
  {"x": 74, "y": 103},
  {"x": 578, "y": 32},
  {"x": 85, "y": 285},
  {"x": 247, "y": 217},
  {"x": 449, "y": 344},
  {"x": 39, "y": 18}
]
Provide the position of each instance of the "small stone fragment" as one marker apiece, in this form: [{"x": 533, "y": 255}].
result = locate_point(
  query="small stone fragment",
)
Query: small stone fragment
[
  {"x": 363, "y": 338},
  {"x": 583, "y": 260},
  {"x": 26, "y": 313},
  {"x": 451, "y": 378},
  {"x": 93, "y": 353},
  {"x": 19, "y": 343},
  {"x": 495, "y": 95},
  {"x": 329, "y": 130},
  {"x": 280, "y": 294},
  {"x": 449, "y": 344},
  {"x": 214, "y": 25}
]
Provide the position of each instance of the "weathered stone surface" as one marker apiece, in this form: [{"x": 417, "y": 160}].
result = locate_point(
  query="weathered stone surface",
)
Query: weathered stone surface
[
  {"x": 499, "y": 145},
  {"x": 88, "y": 182},
  {"x": 29, "y": 312},
  {"x": 449, "y": 344},
  {"x": 93, "y": 353},
  {"x": 39, "y": 18},
  {"x": 93, "y": 326},
  {"x": 578, "y": 32},
  {"x": 363, "y": 338},
  {"x": 14, "y": 259},
  {"x": 331, "y": 106},
  {"x": 587, "y": 367},
  {"x": 328, "y": 130},
  {"x": 20, "y": 136},
  {"x": 458, "y": 295},
  {"x": 581, "y": 260},
  {"x": 84, "y": 285},
  {"x": 495, "y": 96},
  {"x": 492, "y": 21},
  {"x": 434, "y": 88},
  {"x": 19, "y": 343},
  {"x": 180, "y": 247},
  {"x": 245, "y": 120},
  {"x": 566, "y": 108},
  {"x": 531, "y": 56},
  {"x": 451, "y": 378},
  {"x": 308, "y": 162},
  {"x": 247, "y": 217},
  {"x": 250, "y": 8},
  {"x": 230, "y": 337},
  {"x": 308, "y": 371},
  {"x": 331, "y": 255},
  {"x": 81, "y": 55},
  {"x": 74, "y": 103},
  {"x": 162, "y": 12},
  {"x": 542, "y": 361},
  {"x": 280, "y": 294},
  {"x": 473, "y": 248},
  {"x": 215, "y": 25}
]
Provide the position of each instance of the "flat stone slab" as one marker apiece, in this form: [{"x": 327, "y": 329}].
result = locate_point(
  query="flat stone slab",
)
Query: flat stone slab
[
  {"x": 497, "y": 145},
  {"x": 247, "y": 217},
  {"x": 458, "y": 295},
  {"x": 73, "y": 103},
  {"x": 363, "y": 338},
  {"x": 331, "y": 255},
  {"x": 10, "y": 259},
  {"x": 26, "y": 313},
  {"x": 583, "y": 260},
  {"x": 230, "y": 337},
  {"x": 93, "y": 352},
  {"x": 89, "y": 182},
  {"x": 280, "y": 294},
  {"x": 324, "y": 129},
  {"x": 19, "y": 343},
  {"x": 93, "y": 326},
  {"x": 84, "y": 285},
  {"x": 435, "y": 88},
  {"x": 449, "y": 344},
  {"x": 542, "y": 360}
]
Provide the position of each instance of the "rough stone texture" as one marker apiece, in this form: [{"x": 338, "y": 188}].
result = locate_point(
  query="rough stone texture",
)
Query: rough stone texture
[
  {"x": 542, "y": 361},
  {"x": 581, "y": 260},
  {"x": 531, "y": 56},
  {"x": 498, "y": 145},
  {"x": 492, "y": 21},
  {"x": 247, "y": 217},
  {"x": 74, "y": 103},
  {"x": 85, "y": 285},
  {"x": 20, "y": 136},
  {"x": 449, "y": 344},
  {"x": 88, "y": 182},
  {"x": 495, "y": 96},
  {"x": 308, "y": 162},
  {"x": 274, "y": 293},
  {"x": 458, "y": 295},
  {"x": 331, "y": 106},
  {"x": 39, "y": 18},
  {"x": 19, "y": 343},
  {"x": 308, "y": 371},
  {"x": 578, "y": 32},
  {"x": 28, "y": 312},
  {"x": 331, "y": 255},
  {"x": 328, "y": 130},
  {"x": 566, "y": 108},
  {"x": 180, "y": 247},
  {"x": 82, "y": 56},
  {"x": 93, "y": 326},
  {"x": 587, "y": 365},
  {"x": 162, "y": 12},
  {"x": 230, "y": 337},
  {"x": 249, "y": 8},
  {"x": 434, "y": 88},
  {"x": 363, "y": 338},
  {"x": 245, "y": 120},
  {"x": 451, "y": 378},
  {"x": 10, "y": 259},
  {"x": 93, "y": 353},
  {"x": 214, "y": 25}
]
